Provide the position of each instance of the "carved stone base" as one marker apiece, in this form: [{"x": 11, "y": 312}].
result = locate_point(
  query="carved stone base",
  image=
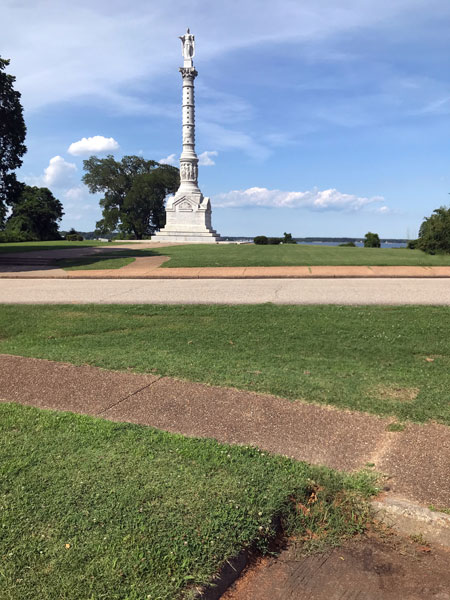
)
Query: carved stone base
[
  {"x": 209, "y": 237},
  {"x": 188, "y": 219}
]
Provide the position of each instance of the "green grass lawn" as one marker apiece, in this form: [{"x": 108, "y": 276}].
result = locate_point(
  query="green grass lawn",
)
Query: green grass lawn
[
  {"x": 388, "y": 360},
  {"x": 89, "y": 263},
  {"x": 38, "y": 246},
  {"x": 92, "y": 509},
  {"x": 250, "y": 255}
]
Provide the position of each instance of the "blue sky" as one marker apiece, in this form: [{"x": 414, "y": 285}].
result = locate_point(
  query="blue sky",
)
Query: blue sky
[{"x": 326, "y": 118}]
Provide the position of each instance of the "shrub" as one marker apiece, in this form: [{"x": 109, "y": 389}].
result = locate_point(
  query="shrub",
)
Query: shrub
[
  {"x": 288, "y": 238},
  {"x": 274, "y": 240},
  {"x": 124, "y": 236},
  {"x": 412, "y": 244},
  {"x": 261, "y": 240},
  {"x": 73, "y": 236},
  {"x": 372, "y": 240},
  {"x": 16, "y": 236},
  {"x": 434, "y": 233},
  {"x": 348, "y": 245}
]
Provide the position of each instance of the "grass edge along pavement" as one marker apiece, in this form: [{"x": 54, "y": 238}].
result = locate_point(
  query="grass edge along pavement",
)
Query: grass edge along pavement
[
  {"x": 251, "y": 255},
  {"x": 82, "y": 518},
  {"x": 386, "y": 360}
]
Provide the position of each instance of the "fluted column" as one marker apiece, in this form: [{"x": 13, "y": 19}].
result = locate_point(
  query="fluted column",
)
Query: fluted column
[{"x": 188, "y": 158}]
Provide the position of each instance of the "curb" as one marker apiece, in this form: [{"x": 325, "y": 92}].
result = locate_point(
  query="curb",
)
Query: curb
[
  {"x": 409, "y": 518},
  {"x": 218, "y": 276}
]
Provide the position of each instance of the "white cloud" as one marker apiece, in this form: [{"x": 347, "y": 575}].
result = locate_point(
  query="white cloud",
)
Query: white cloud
[
  {"x": 169, "y": 160},
  {"x": 80, "y": 206},
  {"x": 58, "y": 173},
  {"x": 314, "y": 199},
  {"x": 205, "y": 160},
  {"x": 97, "y": 144},
  {"x": 75, "y": 194}
]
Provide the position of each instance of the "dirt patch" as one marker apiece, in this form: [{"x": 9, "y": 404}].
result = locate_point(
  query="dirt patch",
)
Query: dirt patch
[
  {"x": 374, "y": 567},
  {"x": 398, "y": 394}
]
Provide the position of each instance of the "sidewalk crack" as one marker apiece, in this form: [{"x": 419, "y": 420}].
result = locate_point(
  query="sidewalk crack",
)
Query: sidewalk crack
[
  {"x": 383, "y": 447},
  {"x": 127, "y": 397},
  {"x": 277, "y": 291}
]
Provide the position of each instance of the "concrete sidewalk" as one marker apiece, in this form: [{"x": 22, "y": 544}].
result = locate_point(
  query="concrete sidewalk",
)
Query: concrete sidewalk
[
  {"x": 351, "y": 291},
  {"x": 416, "y": 461}
]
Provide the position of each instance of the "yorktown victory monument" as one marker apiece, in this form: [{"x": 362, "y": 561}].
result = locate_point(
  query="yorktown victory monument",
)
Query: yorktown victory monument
[{"x": 188, "y": 213}]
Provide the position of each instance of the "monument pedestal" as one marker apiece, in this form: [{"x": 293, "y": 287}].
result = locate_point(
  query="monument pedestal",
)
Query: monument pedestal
[{"x": 188, "y": 219}]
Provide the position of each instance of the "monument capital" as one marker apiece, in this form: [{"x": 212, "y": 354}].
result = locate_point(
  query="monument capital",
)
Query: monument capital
[{"x": 188, "y": 72}]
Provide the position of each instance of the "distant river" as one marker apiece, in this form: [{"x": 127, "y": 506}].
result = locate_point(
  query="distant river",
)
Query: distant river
[{"x": 360, "y": 244}]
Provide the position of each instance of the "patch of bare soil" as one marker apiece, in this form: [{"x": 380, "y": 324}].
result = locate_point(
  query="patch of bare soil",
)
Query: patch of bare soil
[
  {"x": 399, "y": 394},
  {"x": 373, "y": 567}
]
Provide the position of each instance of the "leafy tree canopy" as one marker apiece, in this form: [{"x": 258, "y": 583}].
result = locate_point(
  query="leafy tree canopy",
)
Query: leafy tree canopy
[
  {"x": 134, "y": 192},
  {"x": 372, "y": 240},
  {"x": 35, "y": 214},
  {"x": 434, "y": 233},
  {"x": 12, "y": 137},
  {"x": 287, "y": 239}
]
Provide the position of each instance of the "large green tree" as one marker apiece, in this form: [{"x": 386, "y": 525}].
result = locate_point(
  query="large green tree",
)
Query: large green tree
[
  {"x": 134, "y": 193},
  {"x": 35, "y": 215},
  {"x": 372, "y": 240},
  {"x": 12, "y": 137},
  {"x": 434, "y": 233}
]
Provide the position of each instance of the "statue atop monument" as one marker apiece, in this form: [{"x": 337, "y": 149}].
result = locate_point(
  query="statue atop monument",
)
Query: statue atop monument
[{"x": 188, "y": 43}]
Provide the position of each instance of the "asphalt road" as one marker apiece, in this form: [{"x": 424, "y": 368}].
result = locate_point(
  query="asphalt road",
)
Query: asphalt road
[{"x": 226, "y": 291}]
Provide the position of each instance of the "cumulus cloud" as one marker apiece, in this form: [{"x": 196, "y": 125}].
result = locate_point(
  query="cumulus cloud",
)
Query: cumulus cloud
[
  {"x": 314, "y": 199},
  {"x": 96, "y": 144},
  {"x": 80, "y": 206},
  {"x": 58, "y": 173},
  {"x": 205, "y": 159},
  {"x": 169, "y": 160},
  {"x": 76, "y": 193}
]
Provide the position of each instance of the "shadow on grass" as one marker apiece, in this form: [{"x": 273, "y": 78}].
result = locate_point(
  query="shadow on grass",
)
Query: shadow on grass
[
  {"x": 8, "y": 248},
  {"x": 96, "y": 262}
]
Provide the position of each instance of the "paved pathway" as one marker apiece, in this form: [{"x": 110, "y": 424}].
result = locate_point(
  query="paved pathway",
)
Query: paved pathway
[
  {"x": 149, "y": 268},
  {"x": 416, "y": 460},
  {"x": 227, "y": 291}
]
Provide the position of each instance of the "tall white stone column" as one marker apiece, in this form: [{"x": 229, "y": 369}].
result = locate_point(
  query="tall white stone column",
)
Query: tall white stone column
[{"x": 188, "y": 213}]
